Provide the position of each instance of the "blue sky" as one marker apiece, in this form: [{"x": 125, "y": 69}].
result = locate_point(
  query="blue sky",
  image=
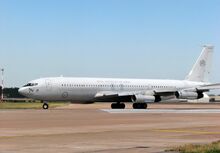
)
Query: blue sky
[{"x": 111, "y": 38}]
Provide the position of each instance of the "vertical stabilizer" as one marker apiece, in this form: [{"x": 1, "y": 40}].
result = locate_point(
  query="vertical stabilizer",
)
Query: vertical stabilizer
[{"x": 201, "y": 69}]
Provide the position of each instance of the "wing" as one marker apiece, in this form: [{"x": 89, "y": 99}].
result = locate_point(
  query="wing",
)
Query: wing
[
  {"x": 136, "y": 96},
  {"x": 155, "y": 95}
]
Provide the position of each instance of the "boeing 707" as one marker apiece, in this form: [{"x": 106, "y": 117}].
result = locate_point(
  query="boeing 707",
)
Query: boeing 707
[{"x": 118, "y": 91}]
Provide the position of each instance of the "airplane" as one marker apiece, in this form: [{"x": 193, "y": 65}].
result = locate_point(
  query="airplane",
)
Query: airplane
[{"x": 138, "y": 91}]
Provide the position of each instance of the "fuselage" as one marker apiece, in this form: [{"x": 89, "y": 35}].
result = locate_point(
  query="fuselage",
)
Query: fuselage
[
  {"x": 85, "y": 89},
  {"x": 118, "y": 91}
]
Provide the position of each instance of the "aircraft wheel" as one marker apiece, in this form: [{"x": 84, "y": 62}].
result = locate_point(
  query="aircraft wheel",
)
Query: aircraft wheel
[
  {"x": 139, "y": 105},
  {"x": 45, "y": 106},
  {"x": 145, "y": 106},
  {"x": 114, "y": 105},
  {"x": 117, "y": 105},
  {"x": 122, "y": 105}
]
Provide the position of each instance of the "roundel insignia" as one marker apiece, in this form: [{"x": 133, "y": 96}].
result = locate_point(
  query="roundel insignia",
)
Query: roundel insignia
[
  {"x": 202, "y": 63},
  {"x": 65, "y": 95}
]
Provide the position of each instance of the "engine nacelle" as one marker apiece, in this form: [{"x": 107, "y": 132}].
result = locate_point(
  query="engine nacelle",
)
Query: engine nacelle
[
  {"x": 146, "y": 99},
  {"x": 189, "y": 95}
]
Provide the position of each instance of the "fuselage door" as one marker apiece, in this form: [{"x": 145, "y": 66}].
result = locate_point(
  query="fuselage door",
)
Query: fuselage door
[{"x": 48, "y": 84}]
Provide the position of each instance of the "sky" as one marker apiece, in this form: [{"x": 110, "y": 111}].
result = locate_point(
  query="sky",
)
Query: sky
[{"x": 158, "y": 39}]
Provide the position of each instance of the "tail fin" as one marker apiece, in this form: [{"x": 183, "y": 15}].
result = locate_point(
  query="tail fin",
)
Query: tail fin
[{"x": 201, "y": 69}]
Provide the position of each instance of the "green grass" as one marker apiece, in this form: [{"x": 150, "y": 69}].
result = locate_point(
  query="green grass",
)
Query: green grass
[
  {"x": 29, "y": 105},
  {"x": 191, "y": 148}
]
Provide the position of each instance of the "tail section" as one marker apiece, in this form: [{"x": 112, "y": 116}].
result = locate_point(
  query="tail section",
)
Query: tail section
[{"x": 201, "y": 69}]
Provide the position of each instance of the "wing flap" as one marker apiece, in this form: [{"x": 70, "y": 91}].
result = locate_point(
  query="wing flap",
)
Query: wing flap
[
  {"x": 114, "y": 98},
  {"x": 164, "y": 92}
]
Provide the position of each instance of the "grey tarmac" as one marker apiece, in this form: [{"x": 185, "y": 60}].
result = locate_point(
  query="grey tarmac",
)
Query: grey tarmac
[{"x": 88, "y": 129}]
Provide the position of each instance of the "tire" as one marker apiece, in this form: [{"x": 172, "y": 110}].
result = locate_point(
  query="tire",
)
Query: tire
[
  {"x": 122, "y": 106},
  {"x": 134, "y": 105},
  {"x": 145, "y": 106},
  {"x": 113, "y": 106},
  {"x": 118, "y": 106},
  {"x": 45, "y": 106},
  {"x": 139, "y": 105}
]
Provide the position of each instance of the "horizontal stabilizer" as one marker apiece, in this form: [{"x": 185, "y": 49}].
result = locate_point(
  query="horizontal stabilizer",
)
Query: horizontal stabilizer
[{"x": 205, "y": 88}]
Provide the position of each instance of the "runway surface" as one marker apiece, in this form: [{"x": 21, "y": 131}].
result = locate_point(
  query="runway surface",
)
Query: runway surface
[
  {"x": 181, "y": 111},
  {"x": 92, "y": 129}
]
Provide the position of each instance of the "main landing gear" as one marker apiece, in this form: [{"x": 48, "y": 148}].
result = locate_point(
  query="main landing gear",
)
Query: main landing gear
[
  {"x": 45, "y": 106},
  {"x": 139, "y": 105},
  {"x": 118, "y": 105}
]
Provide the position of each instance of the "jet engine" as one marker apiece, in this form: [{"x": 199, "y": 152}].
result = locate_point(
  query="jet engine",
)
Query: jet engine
[
  {"x": 189, "y": 95},
  {"x": 146, "y": 99}
]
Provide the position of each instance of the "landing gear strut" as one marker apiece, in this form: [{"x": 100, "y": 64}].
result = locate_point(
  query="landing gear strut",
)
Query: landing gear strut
[
  {"x": 118, "y": 105},
  {"x": 139, "y": 105},
  {"x": 45, "y": 106}
]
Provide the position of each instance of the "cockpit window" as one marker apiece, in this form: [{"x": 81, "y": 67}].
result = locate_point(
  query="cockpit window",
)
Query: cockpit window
[{"x": 30, "y": 84}]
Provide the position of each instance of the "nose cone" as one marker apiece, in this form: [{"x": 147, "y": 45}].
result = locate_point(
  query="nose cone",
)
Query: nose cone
[{"x": 22, "y": 91}]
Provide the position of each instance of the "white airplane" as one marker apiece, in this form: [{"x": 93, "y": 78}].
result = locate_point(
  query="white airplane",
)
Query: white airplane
[{"x": 138, "y": 91}]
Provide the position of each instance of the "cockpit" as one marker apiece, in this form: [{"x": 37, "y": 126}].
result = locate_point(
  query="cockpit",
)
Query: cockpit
[{"x": 30, "y": 84}]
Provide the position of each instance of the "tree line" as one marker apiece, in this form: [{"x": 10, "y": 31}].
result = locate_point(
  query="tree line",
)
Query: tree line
[{"x": 11, "y": 93}]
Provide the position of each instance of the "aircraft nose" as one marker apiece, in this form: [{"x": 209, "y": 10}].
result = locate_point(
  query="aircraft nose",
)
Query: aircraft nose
[{"x": 22, "y": 91}]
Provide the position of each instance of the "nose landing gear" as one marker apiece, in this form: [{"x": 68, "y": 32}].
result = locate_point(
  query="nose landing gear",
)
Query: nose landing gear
[{"x": 45, "y": 106}]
